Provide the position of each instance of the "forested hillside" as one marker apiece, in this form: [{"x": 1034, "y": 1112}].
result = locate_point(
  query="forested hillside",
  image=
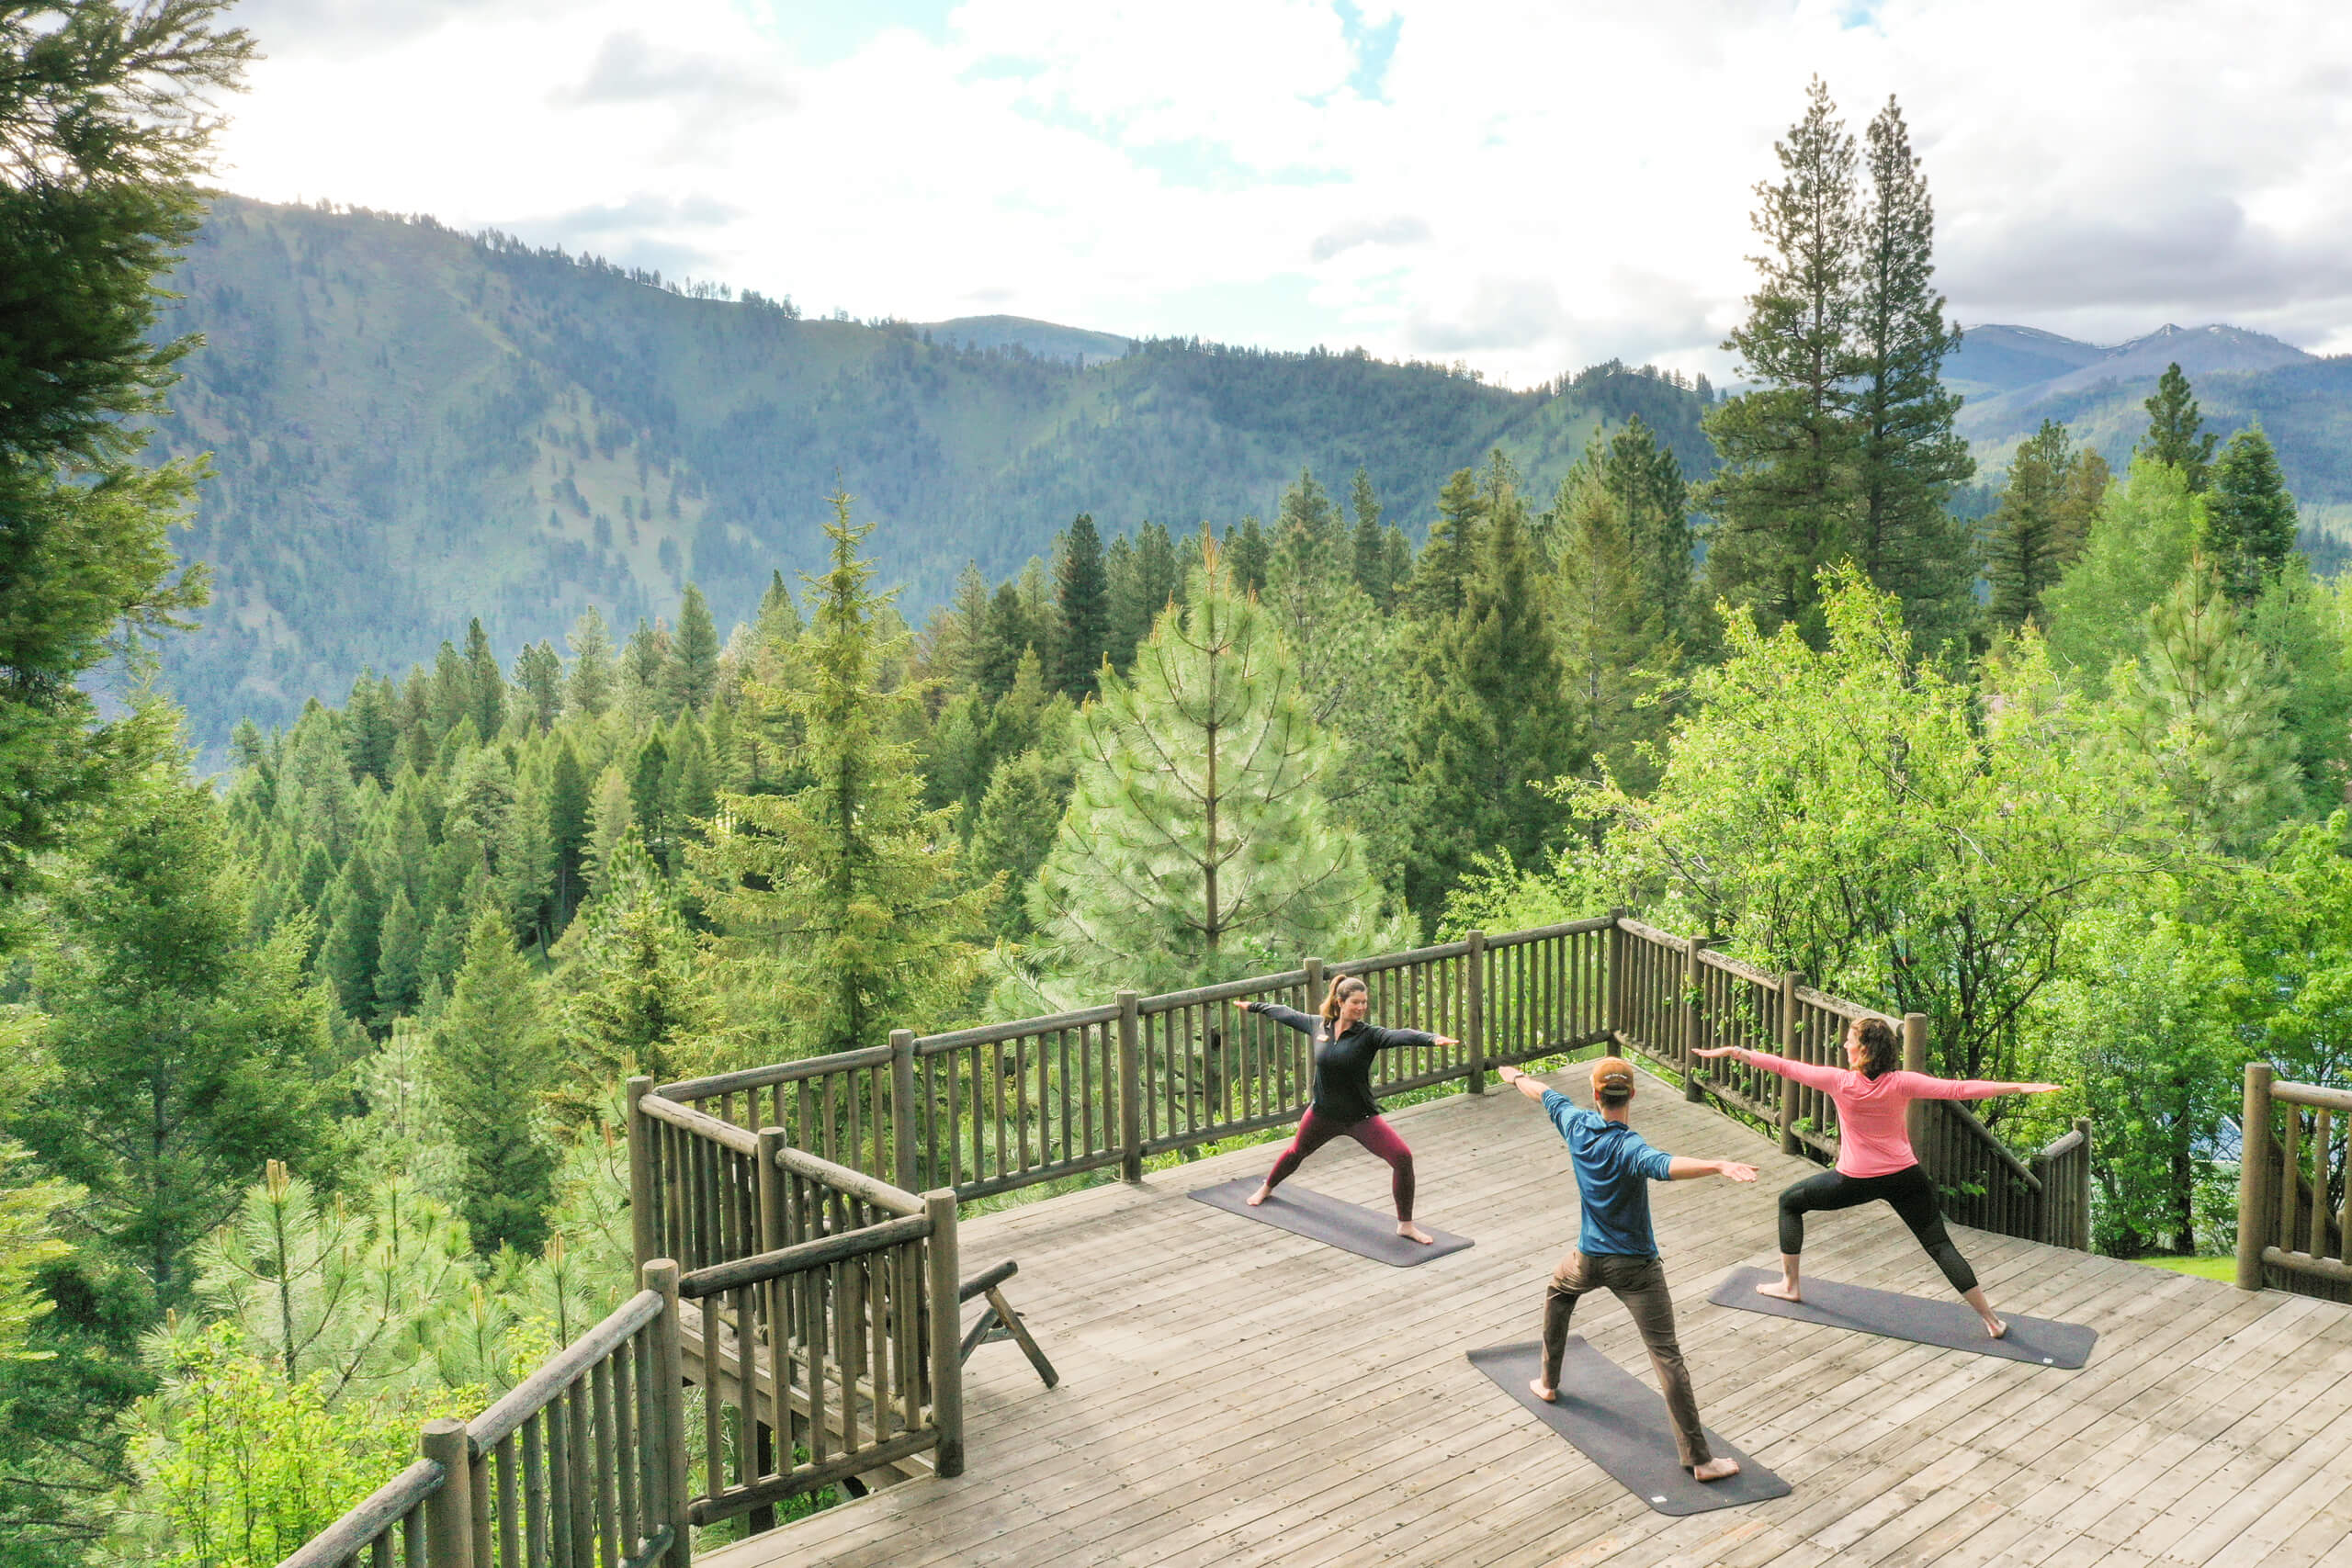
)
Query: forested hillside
[{"x": 411, "y": 426}]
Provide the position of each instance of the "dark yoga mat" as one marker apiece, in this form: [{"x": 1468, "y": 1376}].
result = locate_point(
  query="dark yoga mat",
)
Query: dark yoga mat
[
  {"x": 1951, "y": 1323},
  {"x": 1620, "y": 1423},
  {"x": 1344, "y": 1225}
]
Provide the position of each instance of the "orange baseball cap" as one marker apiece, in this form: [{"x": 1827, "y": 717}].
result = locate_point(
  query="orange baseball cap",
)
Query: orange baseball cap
[{"x": 1612, "y": 1078}]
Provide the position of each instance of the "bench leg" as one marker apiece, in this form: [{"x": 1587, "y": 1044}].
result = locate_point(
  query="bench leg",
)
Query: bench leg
[{"x": 1004, "y": 1314}]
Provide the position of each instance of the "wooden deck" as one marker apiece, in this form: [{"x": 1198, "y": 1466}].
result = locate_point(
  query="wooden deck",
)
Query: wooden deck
[{"x": 1233, "y": 1395}]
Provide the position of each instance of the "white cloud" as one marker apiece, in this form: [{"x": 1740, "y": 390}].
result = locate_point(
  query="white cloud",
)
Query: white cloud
[{"x": 1534, "y": 185}]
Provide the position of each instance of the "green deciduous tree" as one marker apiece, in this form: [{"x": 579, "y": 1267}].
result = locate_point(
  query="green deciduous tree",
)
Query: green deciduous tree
[{"x": 2137, "y": 548}]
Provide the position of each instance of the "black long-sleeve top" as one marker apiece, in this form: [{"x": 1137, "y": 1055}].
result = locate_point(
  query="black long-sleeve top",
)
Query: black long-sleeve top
[{"x": 1343, "y": 1066}]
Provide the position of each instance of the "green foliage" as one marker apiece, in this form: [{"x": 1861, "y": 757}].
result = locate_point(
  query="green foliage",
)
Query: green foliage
[
  {"x": 2249, "y": 517},
  {"x": 1195, "y": 846},
  {"x": 1783, "y": 502},
  {"x": 2176, "y": 436},
  {"x": 2040, "y": 526},
  {"x": 842, "y": 908},
  {"x": 1616, "y": 630},
  {"x": 185, "y": 1054},
  {"x": 490, "y": 1065},
  {"x": 1083, "y": 593},
  {"x": 2138, "y": 547},
  {"x": 632, "y": 998},
  {"x": 693, "y": 673}
]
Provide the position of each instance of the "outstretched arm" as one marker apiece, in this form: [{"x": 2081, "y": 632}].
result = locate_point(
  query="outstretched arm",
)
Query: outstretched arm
[
  {"x": 1306, "y": 1023},
  {"x": 1523, "y": 1082},
  {"x": 1921, "y": 1087},
  {"x": 1810, "y": 1074},
  {"x": 1684, "y": 1169}
]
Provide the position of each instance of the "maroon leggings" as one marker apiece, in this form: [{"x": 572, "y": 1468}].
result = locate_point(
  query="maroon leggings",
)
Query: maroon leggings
[{"x": 1372, "y": 1132}]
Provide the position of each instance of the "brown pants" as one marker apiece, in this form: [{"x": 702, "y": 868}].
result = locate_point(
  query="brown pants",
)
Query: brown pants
[{"x": 1640, "y": 1283}]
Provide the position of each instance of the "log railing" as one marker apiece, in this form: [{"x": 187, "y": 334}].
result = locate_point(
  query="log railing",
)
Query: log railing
[{"x": 2291, "y": 1232}]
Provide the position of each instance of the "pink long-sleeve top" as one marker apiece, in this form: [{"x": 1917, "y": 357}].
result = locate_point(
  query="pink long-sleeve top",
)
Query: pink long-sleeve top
[{"x": 1871, "y": 1137}]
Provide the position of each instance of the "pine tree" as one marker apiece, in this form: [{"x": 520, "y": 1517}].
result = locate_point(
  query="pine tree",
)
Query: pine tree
[
  {"x": 643, "y": 661},
  {"x": 2176, "y": 433},
  {"x": 1909, "y": 458},
  {"x": 1144, "y": 579},
  {"x": 539, "y": 671},
  {"x": 399, "y": 962},
  {"x": 1435, "y": 594},
  {"x": 2026, "y": 537},
  {"x": 369, "y": 739},
  {"x": 1784, "y": 501},
  {"x": 1614, "y": 631},
  {"x": 1492, "y": 727},
  {"x": 1196, "y": 845},
  {"x": 1249, "y": 555},
  {"x": 486, "y": 682},
  {"x": 491, "y": 1059},
  {"x": 1015, "y": 828},
  {"x": 692, "y": 674},
  {"x": 648, "y": 798},
  {"x": 778, "y": 625},
  {"x": 1368, "y": 550},
  {"x": 451, "y": 694},
  {"x": 1083, "y": 595},
  {"x": 2203, "y": 707},
  {"x": 1310, "y": 528},
  {"x": 841, "y": 907},
  {"x": 1005, "y": 635},
  {"x": 635, "y": 1002},
  {"x": 588, "y": 690},
  {"x": 568, "y": 828},
  {"x": 182, "y": 1053},
  {"x": 1645, "y": 480},
  {"x": 959, "y": 644},
  {"x": 348, "y": 956},
  {"x": 694, "y": 797},
  {"x": 2249, "y": 517}
]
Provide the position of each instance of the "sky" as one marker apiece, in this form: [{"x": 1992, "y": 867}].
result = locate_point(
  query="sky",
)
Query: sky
[{"x": 1523, "y": 187}]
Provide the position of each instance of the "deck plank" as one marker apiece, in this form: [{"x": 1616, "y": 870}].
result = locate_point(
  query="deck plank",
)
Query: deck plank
[{"x": 1233, "y": 1395}]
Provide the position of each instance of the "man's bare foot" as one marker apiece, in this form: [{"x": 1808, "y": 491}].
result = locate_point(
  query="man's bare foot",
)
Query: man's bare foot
[
  {"x": 1715, "y": 1469},
  {"x": 1779, "y": 1290},
  {"x": 1543, "y": 1391},
  {"x": 1261, "y": 1195},
  {"x": 1412, "y": 1232}
]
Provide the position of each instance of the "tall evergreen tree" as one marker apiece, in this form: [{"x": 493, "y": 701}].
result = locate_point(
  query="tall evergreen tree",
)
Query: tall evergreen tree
[
  {"x": 1083, "y": 596},
  {"x": 1909, "y": 459},
  {"x": 1614, "y": 630},
  {"x": 2249, "y": 517},
  {"x": 1368, "y": 549},
  {"x": 486, "y": 682},
  {"x": 644, "y": 660},
  {"x": 399, "y": 958},
  {"x": 568, "y": 827},
  {"x": 370, "y": 737},
  {"x": 1492, "y": 725},
  {"x": 2176, "y": 433},
  {"x": 1249, "y": 555},
  {"x": 1784, "y": 501},
  {"x": 1196, "y": 845},
  {"x": 1144, "y": 579},
  {"x": 538, "y": 672},
  {"x": 1435, "y": 594},
  {"x": 2030, "y": 540},
  {"x": 778, "y": 625},
  {"x": 691, "y": 673},
  {"x": 588, "y": 690},
  {"x": 1309, "y": 525},
  {"x": 491, "y": 1061},
  {"x": 842, "y": 907},
  {"x": 1644, "y": 478},
  {"x": 648, "y": 797},
  {"x": 1005, "y": 635}
]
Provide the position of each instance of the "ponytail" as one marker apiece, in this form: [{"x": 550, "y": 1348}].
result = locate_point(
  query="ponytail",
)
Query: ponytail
[{"x": 1332, "y": 998}]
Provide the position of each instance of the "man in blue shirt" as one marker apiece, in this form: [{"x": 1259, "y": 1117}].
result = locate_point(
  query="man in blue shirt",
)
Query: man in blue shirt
[{"x": 1615, "y": 1249}]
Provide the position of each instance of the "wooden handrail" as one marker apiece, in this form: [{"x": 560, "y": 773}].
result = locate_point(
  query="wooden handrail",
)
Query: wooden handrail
[
  {"x": 534, "y": 1393},
  {"x": 759, "y": 1268},
  {"x": 854, "y": 1183},
  {"x": 1545, "y": 933},
  {"x": 767, "y": 1077},
  {"x": 352, "y": 1534},
  {"x": 701, "y": 1122}
]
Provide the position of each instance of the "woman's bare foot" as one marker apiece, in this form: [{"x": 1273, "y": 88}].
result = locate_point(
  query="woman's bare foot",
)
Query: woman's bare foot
[
  {"x": 1543, "y": 1391},
  {"x": 1779, "y": 1290},
  {"x": 1261, "y": 1195},
  {"x": 1715, "y": 1469},
  {"x": 1995, "y": 1327},
  {"x": 1412, "y": 1232}
]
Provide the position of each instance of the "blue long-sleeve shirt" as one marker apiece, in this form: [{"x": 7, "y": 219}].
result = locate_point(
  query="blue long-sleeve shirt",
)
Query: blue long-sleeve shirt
[{"x": 1614, "y": 1167}]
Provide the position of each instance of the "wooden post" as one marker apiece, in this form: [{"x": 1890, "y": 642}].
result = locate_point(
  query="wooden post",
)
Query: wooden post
[
  {"x": 1474, "y": 1021},
  {"x": 641, "y": 1218},
  {"x": 947, "y": 1338},
  {"x": 2254, "y": 1175},
  {"x": 2080, "y": 1238},
  {"x": 903, "y": 1119},
  {"x": 1790, "y": 1142},
  {"x": 1130, "y": 1088},
  {"x": 1914, "y": 1060},
  {"x": 1689, "y": 1030},
  {"x": 1615, "y": 1021},
  {"x": 671, "y": 1485},
  {"x": 765, "y": 1438},
  {"x": 450, "y": 1511}
]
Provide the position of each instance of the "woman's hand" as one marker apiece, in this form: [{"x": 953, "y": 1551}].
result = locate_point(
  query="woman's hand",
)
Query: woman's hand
[{"x": 1720, "y": 1051}]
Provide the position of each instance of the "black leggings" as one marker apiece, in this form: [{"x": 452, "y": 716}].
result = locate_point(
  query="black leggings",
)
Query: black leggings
[{"x": 1912, "y": 1195}]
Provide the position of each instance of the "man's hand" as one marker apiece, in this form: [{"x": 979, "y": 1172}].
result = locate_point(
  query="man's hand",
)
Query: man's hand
[
  {"x": 1526, "y": 1084},
  {"x": 1732, "y": 1170}
]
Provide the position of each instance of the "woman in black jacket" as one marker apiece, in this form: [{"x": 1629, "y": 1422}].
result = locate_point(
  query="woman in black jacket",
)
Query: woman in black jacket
[{"x": 1342, "y": 1105}]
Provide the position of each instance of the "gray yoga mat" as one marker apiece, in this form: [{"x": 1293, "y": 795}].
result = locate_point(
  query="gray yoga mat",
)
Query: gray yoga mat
[
  {"x": 1951, "y": 1323},
  {"x": 1344, "y": 1225},
  {"x": 1620, "y": 1423}
]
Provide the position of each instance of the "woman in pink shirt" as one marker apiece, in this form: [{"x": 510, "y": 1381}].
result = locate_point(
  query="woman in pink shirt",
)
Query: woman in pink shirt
[{"x": 1875, "y": 1158}]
